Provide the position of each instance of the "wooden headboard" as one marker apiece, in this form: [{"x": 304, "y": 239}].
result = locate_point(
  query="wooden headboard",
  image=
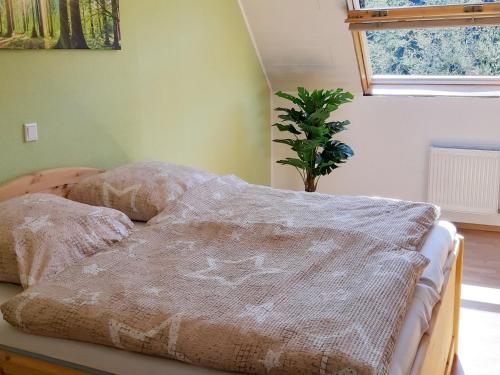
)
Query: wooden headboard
[{"x": 55, "y": 181}]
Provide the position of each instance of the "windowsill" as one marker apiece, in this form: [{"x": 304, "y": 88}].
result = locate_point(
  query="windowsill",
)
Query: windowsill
[
  {"x": 484, "y": 87},
  {"x": 434, "y": 90}
]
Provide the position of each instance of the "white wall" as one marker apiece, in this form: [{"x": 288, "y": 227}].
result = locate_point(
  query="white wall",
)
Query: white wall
[{"x": 307, "y": 43}]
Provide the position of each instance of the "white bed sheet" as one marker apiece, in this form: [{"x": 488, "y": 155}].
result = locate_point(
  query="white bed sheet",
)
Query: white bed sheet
[{"x": 437, "y": 248}]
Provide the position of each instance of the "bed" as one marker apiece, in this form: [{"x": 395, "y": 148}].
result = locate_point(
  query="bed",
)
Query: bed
[{"x": 433, "y": 354}]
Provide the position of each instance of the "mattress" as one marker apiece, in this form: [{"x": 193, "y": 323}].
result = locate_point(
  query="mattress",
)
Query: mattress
[{"x": 437, "y": 248}]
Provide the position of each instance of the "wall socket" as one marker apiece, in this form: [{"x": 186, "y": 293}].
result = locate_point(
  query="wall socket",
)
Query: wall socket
[{"x": 30, "y": 132}]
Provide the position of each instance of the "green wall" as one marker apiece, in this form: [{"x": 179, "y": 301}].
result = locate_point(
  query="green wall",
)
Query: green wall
[{"x": 186, "y": 88}]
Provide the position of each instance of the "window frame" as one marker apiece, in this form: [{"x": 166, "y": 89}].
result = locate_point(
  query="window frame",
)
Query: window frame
[{"x": 361, "y": 20}]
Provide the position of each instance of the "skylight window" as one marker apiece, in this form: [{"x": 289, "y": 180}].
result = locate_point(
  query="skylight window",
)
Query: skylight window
[
  {"x": 416, "y": 3},
  {"x": 460, "y": 51},
  {"x": 427, "y": 47}
]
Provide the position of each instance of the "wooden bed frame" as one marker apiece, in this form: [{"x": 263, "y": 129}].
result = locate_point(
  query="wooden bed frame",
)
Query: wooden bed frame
[
  {"x": 436, "y": 353},
  {"x": 55, "y": 181}
]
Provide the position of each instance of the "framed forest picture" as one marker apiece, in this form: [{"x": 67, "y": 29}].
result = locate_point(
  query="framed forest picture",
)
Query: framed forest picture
[{"x": 60, "y": 24}]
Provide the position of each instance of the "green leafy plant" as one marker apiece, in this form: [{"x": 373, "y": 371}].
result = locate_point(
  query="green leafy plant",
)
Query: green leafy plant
[{"x": 318, "y": 154}]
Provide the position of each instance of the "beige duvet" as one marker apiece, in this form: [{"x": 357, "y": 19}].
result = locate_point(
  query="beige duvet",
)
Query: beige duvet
[{"x": 246, "y": 278}]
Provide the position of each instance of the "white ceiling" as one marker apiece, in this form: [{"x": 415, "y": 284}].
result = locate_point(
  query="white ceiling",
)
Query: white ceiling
[{"x": 303, "y": 43}]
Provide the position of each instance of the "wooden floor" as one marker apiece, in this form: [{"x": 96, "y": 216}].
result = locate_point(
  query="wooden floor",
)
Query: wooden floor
[{"x": 479, "y": 342}]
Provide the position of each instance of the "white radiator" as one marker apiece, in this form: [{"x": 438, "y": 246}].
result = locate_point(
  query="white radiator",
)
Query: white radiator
[{"x": 464, "y": 180}]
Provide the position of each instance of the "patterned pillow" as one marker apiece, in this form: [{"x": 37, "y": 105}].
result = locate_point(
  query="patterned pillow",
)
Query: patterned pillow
[
  {"x": 140, "y": 190},
  {"x": 41, "y": 234}
]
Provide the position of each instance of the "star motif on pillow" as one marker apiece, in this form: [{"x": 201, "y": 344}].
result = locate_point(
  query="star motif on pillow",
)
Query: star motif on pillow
[
  {"x": 233, "y": 273},
  {"x": 108, "y": 190}
]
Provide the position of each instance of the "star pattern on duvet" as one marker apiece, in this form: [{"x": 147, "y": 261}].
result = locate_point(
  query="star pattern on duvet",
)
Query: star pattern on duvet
[
  {"x": 172, "y": 327},
  {"x": 218, "y": 196},
  {"x": 224, "y": 212},
  {"x": 82, "y": 298},
  {"x": 272, "y": 359},
  {"x": 352, "y": 331},
  {"x": 34, "y": 224},
  {"x": 99, "y": 211},
  {"x": 185, "y": 244},
  {"x": 152, "y": 291},
  {"x": 233, "y": 273},
  {"x": 174, "y": 192},
  {"x": 92, "y": 269},
  {"x": 259, "y": 313},
  {"x": 295, "y": 198},
  {"x": 235, "y": 236},
  {"x": 322, "y": 247}
]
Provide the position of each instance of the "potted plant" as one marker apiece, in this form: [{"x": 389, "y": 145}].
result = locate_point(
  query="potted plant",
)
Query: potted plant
[{"x": 318, "y": 154}]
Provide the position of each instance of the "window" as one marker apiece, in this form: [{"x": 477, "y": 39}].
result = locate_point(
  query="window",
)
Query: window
[
  {"x": 363, "y": 4},
  {"x": 427, "y": 47}
]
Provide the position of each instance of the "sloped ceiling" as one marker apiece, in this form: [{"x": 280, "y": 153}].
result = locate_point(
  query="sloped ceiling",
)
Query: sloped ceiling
[{"x": 304, "y": 43}]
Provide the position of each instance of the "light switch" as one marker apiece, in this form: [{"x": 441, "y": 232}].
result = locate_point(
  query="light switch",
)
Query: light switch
[{"x": 31, "y": 132}]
